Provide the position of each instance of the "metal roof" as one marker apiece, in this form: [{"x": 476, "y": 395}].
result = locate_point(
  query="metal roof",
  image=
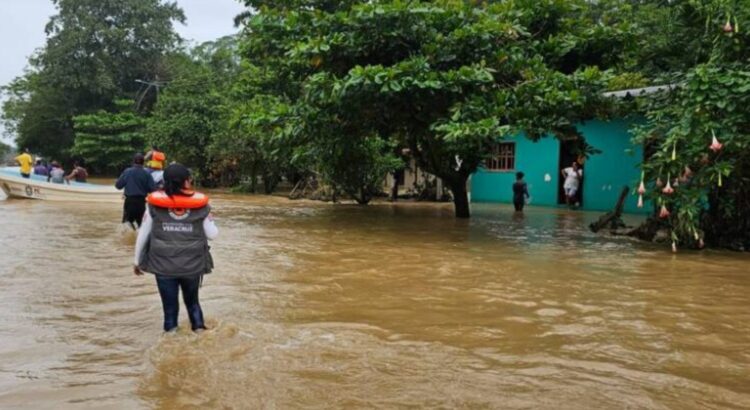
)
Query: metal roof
[{"x": 637, "y": 92}]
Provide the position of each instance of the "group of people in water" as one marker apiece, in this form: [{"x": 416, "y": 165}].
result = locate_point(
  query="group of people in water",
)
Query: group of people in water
[
  {"x": 53, "y": 170},
  {"x": 175, "y": 225},
  {"x": 174, "y": 221}
]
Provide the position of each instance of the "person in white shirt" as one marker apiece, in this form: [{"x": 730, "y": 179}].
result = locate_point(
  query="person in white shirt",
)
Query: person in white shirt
[{"x": 573, "y": 175}]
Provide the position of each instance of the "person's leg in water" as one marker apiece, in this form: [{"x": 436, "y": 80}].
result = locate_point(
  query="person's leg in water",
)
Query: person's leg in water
[
  {"x": 190, "y": 286},
  {"x": 134, "y": 208},
  {"x": 518, "y": 204},
  {"x": 169, "y": 289},
  {"x": 570, "y": 196}
]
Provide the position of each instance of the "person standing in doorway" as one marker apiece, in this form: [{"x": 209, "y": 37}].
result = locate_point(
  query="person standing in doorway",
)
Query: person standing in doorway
[
  {"x": 26, "y": 163},
  {"x": 573, "y": 175},
  {"x": 172, "y": 244},
  {"x": 520, "y": 192},
  {"x": 137, "y": 184}
]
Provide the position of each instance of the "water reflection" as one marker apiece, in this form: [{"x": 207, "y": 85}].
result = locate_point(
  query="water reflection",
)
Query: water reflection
[{"x": 321, "y": 306}]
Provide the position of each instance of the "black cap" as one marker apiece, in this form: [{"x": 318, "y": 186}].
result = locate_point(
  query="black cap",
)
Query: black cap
[
  {"x": 176, "y": 173},
  {"x": 175, "y": 176}
]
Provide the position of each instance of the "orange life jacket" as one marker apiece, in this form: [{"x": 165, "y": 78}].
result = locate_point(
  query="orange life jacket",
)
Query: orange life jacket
[
  {"x": 162, "y": 200},
  {"x": 157, "y": 160}
]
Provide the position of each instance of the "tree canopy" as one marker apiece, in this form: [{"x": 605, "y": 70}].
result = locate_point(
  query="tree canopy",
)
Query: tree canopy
[
  {"x": 699, "y": 134},
  {"x": 443, "y": 79},
  {"x": 95, "y": 50}
]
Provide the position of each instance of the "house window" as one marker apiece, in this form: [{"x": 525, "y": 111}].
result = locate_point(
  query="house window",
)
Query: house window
[{"x": 503, "y": 157}]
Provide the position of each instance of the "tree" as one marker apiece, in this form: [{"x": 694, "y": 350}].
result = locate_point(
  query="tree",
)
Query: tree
[
  {"x": 195, "y": 106},
  {"x": 702, "y": 186},
  {"x": 446, "y": 79},
  {"x": 108, "y": 140},
  {"x": 95, "y": 51}
]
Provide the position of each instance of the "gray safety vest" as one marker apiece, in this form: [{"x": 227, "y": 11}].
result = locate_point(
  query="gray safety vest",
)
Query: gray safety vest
[{"x": 177, "y": 245}]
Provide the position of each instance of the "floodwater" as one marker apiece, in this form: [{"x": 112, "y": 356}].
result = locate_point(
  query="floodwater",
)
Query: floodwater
[{"x": 313, "y": 305}]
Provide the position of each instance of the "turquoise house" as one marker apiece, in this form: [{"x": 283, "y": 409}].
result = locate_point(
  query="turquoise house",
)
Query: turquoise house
[{"x": 604, "y": 174}]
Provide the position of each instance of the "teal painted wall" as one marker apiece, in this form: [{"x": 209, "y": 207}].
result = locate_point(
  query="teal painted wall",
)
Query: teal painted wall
[
  {"x": 604, "y": 174},
  {"x": 535, "y": 159},
  {"x": 617, "y": 165}
]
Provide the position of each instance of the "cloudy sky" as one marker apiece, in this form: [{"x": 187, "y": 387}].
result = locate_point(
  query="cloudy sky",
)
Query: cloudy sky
[{"x": 22, "y": 29}]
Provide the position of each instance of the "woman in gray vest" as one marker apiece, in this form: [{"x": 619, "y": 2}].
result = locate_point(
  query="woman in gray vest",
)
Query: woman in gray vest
[{"x": 173, "y": 245}]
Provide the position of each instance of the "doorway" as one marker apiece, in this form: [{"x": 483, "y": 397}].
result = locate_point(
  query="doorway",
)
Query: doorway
[{"x": 570, "y": 151}]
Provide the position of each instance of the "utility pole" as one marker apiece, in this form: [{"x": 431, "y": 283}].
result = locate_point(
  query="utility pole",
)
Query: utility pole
[{"x": 156, "y": 84}]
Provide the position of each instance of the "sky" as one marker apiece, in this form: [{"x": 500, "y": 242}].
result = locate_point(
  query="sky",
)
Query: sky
[{"x": 22, "y": 29}]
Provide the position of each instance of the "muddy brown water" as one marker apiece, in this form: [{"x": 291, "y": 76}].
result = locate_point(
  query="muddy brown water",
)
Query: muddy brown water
[{"x": 320, "y": 306}]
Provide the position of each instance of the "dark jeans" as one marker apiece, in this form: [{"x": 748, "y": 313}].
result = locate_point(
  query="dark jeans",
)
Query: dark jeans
[
  {"x": 518, "y": 203},
  {"x": 169, "y": 290},
  {"x": 133, "y": 210}
]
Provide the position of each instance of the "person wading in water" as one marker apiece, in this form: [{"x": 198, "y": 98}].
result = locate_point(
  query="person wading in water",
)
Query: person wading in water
[
  {"x": 520, "y": 192},
  {"x": 172, "y": 244},
  {"x": 137, "y": 184}
]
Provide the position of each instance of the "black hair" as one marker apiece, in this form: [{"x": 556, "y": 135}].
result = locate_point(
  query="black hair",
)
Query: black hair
[
  {"x": 519, "y": 175},
  {"x": 138, "y": 159},
  {"x": 174, "y": 179}
]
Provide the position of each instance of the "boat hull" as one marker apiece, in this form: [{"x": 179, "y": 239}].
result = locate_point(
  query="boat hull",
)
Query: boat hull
[{"x": 16, "y": 186}]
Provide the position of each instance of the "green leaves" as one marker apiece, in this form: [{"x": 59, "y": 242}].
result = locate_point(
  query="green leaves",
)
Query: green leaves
[
  {"x": 713, "y": 184},
  {"x": 107, "y": 141},
  {"x": 443, "y": 79}
]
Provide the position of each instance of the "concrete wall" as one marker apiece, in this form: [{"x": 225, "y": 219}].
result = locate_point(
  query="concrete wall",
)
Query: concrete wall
[
  {"x": 414, "y": 178},
  {"x": 604, "y": 174},
  {"x": 616, "y": 166},
  {"x": 536, "y": 160}
]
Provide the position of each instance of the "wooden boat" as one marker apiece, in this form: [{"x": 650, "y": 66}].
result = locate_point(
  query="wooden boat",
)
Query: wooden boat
[{"x": 37, "y": 187}]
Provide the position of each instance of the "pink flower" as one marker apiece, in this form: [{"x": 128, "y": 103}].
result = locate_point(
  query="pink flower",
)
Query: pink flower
[
  {"x": 659, "y": 182},
  {"x": 664, "y": 212},
  {"x": 641, "y": 188},
  {"x": 715, "y": 144},
  {"x": 668, "y": 189},
  {"x": 688, "y": 172},
  {"x": 674, "y": 246},
  {"x": 640, "y": 201}
]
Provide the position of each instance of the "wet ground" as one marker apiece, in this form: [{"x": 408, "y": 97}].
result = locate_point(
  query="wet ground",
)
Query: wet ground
[{"x": 320, "y": 306}]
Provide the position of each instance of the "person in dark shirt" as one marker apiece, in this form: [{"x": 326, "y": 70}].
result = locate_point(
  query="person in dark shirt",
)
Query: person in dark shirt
[
  {"x": 137, "y": 183},
  {"x": 520, "y": 192}
]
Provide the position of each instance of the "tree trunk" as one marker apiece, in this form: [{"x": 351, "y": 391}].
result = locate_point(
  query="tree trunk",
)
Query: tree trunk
[
  {"x": 394, "y": 188},
  {"x": 363, "y": 198},
  {"x": 254, "y": 177},
  {"x": 460, "y": 197},
  {"x": 612, "y": 219}
]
